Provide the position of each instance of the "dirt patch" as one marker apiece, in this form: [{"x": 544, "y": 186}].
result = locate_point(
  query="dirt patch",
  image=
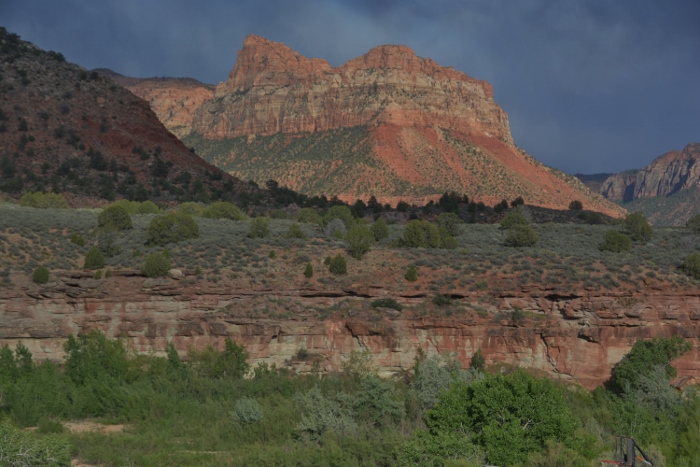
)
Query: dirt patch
[{"x": 92, "y": 427}]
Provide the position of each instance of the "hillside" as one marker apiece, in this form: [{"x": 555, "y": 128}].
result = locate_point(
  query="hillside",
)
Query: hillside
[
  {"x": 388, "y": 123},
  {"x": 71, "y": 131}
]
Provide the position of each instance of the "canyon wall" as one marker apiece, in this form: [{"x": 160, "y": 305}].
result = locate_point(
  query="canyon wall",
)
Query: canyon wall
[{"x": 579, "y": 336}]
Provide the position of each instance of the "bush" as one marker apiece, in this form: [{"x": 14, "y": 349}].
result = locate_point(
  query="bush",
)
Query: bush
[
  {"x": 156, "y": 265},
  {"x": 387, "y": 303},
  {"x": 231, "y": 363},
  {"x": 380, "y": 230},
  {"x": 309, "y": 271},
  {"x": 259, "y": 228},
  {"x": 295, "y": 232},
  {"x": 321, "y": 414},
  {"x": 115, "y": 217},
  {"x": 341, "y": 212},
  {"x": 412, "y": 273},
  {"x": 78, "y": 239},
  {"x": 448, "y": 242},
  {"x": 171, "y": 228},
  {"x": 23, "y": 448},
  {"x": 338, "y": 265},
  {"x": 191, "y": 208},
  {"x": 223, "y": 210},
  {"x": 44, "y": 200},
  {"x": 40, "y": 275},
  {"x": 335, "y": 228},
  {"x": 107, "y": 241},
  {"x": 637, "y": 227},
  {"x": 693, "y": 224},
  {"x": 442, "y": 300},
  {"x": 450, "y": 222},
  {"x": 521, "y": 235},
  {"x": 309, "y": 216},
  {"x": 576, "y": 205},
  {"x": 247, "y": 412},
  {"x": 421, "y": 234},
  {"x": 691, "y": 265},
  {"x": 360, "y": 239},
  {"x": 616, "y": 242},
  {"x": 517, "y": 216},
  {"x": 94, "y": 259},
  {"x": 478, "y": 362}
]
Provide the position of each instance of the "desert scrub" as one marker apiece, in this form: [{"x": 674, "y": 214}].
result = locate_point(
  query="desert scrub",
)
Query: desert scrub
[
  {"x": 387, "y": 303},
  {"x": 115, "y": 217},
  {"x": 412, "y": 273},
  {"x": 616, "y": 242},
  {"x": 223, "y": 210},
  {"x": 360, "y": 239},
  {"x": 337, "y": 264},
  {"x": 171, "y": 228},
  {"x": 259, "y": 228},
  {"x": 44, "y": 200},
  {"x": 157, "y": 264},
  {"x": 40, "y": 275},
  {"x": 94, "y": 259}
]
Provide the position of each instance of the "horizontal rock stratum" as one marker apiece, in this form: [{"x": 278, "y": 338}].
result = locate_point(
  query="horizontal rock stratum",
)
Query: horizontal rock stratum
[
  {"x": 388, "y": 123},
  {"x": 577, "y": 336}
]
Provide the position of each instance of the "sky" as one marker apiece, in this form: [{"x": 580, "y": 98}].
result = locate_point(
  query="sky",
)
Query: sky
[{"x": 589, "y": 85}]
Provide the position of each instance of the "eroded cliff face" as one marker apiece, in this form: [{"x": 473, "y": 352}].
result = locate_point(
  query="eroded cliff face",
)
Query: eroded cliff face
[{"x": 577, "y": 336}]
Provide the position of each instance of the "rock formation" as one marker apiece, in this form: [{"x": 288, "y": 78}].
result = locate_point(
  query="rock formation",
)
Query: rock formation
[
  {"x": 578, "y": 336},
  {"x": 388, "y": 123}
]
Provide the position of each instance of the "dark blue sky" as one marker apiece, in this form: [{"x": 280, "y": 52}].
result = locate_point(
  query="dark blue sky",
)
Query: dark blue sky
[{"x": 589, "y": 85}]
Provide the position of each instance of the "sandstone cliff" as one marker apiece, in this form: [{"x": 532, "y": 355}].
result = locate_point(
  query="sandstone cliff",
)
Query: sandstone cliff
[
  {"x": 579, "y": 335},
  {"x": 388, "y": 123}
]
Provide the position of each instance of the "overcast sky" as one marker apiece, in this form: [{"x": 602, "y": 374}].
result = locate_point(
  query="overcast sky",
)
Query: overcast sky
[{"x": 589, "y": 85}]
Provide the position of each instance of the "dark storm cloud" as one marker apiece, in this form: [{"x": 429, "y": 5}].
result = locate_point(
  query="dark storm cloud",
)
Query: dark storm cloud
[{"x": 589, "y": 85}]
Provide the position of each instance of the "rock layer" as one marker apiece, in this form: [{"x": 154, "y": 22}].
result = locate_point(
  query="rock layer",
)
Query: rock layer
[{"x": 578, "y": 336}]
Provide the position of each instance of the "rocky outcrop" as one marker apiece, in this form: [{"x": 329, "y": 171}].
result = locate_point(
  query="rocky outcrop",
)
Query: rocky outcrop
[{"x": 578, "y": 336}]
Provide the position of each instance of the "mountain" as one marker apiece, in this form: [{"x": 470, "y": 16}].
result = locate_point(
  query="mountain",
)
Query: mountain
[
  {"x": 666, "y": 190},
  {"x": 388, "y": 123},
  {"x": 68, "y": 130}
]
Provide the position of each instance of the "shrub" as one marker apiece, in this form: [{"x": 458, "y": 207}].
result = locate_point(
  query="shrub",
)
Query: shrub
[
  {"x": 210, "y": 363},
  {"x": 78, "y": 239},
  {"x": 171, "y": 228},
  {"x": 259, "y": 228},
  {"x": 450, "y": 222},
  {"x": 44, "y": 200},
  {"x": 115, "y": 217},
  {"x": 360, "y": 239},
  {"x": 295, "y": 231},
  {"x": 107, "y": 242},
  {"x": 223, "y": 210},
  {"x": 691, "y": 265},
  {"x": 338, "y": 265},
  {"x": 637, "y": 227},
  {"x": 693, "y": 224},
  {"x": 191, "y": 208},
  {"x": 412, "y": 273},
  {"x": 94, "y": 259},
  {"x": 321, "y": 414},
  {"x": 20, "y": 448},
  {"x": 98, "y": 274},
  {"x": 387, "y": 303},
  {"x": 442, "y": 300},
  {"x": 478, "y": 362},
  {"x": 449, "y": 242},
  {"x": 40, "y": 275},
  {"x": 247, "y": 412},
  {"x": 309, "y": 271},
  {"x": 335, "y": 228},
  {"x": 339, "y": 212},
  {"x": 616, "y": 242},
  {"x": 517, "y": 216},
  {"x": 576, "y": 205},
  {"x": 380, "y": 230},
  {"x": 521, "y": 235},
  {"x": 421, "y": 234},
  {"x": 310, "y": 216},
  {"x": 156, "y": 265}
]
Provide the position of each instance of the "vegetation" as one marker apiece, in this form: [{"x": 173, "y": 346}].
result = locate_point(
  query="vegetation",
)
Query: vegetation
[
  {"x": 116, "y": 217},
  {"x": 94, "y": 259},
  {"x": 691, "y": 265},
  {"x": 616, "y": 242},
  {"x": 576, "y": 205},
  {"x": 221, "y": 210},
  {"x": 360, "y": 239},
  {"x": 44, "y": 200},
  {"x": 637, "y": 227},
  {"x": 521, "y": 235},
  {"x": 171, "y": 228},
  {"x": 308, "y": 271},
  {"x": 40, "y": 275},
  {"x": 157, "y": 264},
  {"x": 338, "y": 265},
  {"x": 412, "y": 273},
  {"x": 380, "y": 230},
  {"x": 259, "y": 228},
  {"x": 693, "y": 224},
  {"x": 421, "y": 234}
]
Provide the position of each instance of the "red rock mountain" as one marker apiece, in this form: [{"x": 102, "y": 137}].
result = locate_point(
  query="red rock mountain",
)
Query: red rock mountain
[
  {"x": 66, "y": 129},
  {"x": 388, "y": 123}
]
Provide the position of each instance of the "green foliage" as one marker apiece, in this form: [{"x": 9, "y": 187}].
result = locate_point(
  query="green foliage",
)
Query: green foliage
[
  {"x": 450, "y": 222},
  {"x": 91, "y": 357},
  {"x": 448, "y": 242},
  {"x": 78, "y": 239},
  {"x": 478, "y": 362},
  {"x": 259, "y": 227},
  {"x": 387, "y": 303},
  {"x": 616, "y": 242},
  {"x": 22, "y": 448},
  {"x": 272, "y": 255},
  {"x": 360, "y": 239},
  {"x": 44, "y": 200},
  {"x": 137, "y": 207},
  {"x": 442, "y": 300},
  {"x": 693, "y": 224},
  {"x": 643, "y": 357},
  {"x": 412, "y": 273},
  {"x": 40, "y": 275},
  {"x": 107, "y": 241},
  {"x": 171, "y": 228},
  {"x": 223, "y": 210},
  {"x": 321, "y": 414},
  {"x": 338, "y": 265},
  {"x": 517, "y": 216},
  {"x": 98, "y": 274},
  {"x": 691, "y": 265},
  {"x": 231, "y": 363},
  {"x": 421, "y": 234},
  {"x": 191, "y": 208},
  {"x": 376, "y": 402},
  {"x": 115, "y": 217},
  {"x": 309, "y": 216},
  {"x": 295, "y": 232},
  {"x": 509, "y": 416},
  {"x": 341, "y": 212},
  {"x": 380, "y": 230},
  {"x": 335, "y": 228},
  {"x": 94, "y": 259},
  {"x": 438, "y": 450},
  {"x": 432, "y": 378},
  {"x": 520, "y": 235},
  {"x": 157, "y": 264},
  {"x": 247, "y": 412},
  {"x": 309, "y": 271},
  {"x": 576, "y": 205},
  {"x": 637, "y": 227}
]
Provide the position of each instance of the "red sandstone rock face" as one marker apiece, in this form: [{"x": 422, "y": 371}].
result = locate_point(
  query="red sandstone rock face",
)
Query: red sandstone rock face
[{"x": 579, "y": 336}]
